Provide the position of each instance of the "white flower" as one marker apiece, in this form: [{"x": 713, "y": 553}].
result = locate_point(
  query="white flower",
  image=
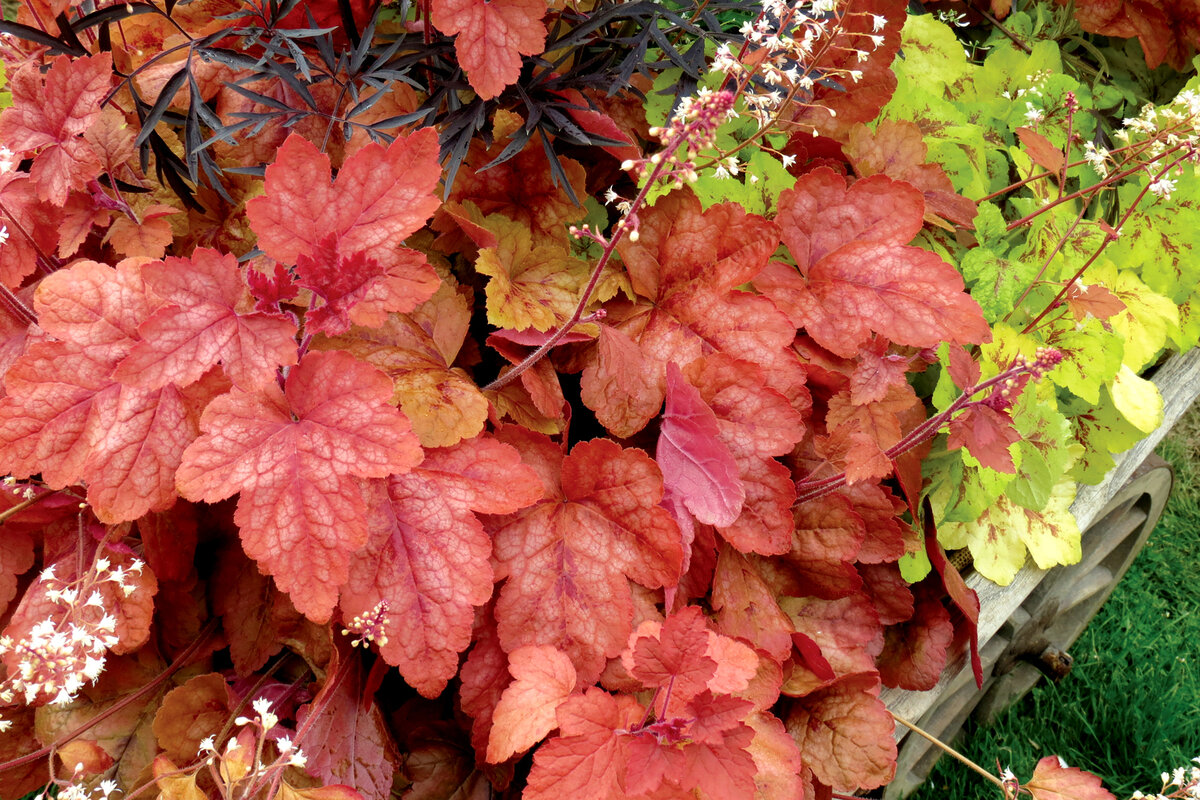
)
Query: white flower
[
  {"x": 878, "y": 23},
  {"x": 1033, "y": 115},
  {"x": 611, "y": 196},
  {"x": 788, "y": 160},
  {"x": 1163, "y": 188},
  {"x": 108, "y": 787}
]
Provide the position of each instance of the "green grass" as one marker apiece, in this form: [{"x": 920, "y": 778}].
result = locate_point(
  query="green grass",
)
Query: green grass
[{"x": 1130, "y": 709}]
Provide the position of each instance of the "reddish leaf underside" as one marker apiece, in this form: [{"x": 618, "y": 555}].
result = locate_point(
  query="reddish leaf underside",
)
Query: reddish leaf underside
[{"x": 696, "y": 464}]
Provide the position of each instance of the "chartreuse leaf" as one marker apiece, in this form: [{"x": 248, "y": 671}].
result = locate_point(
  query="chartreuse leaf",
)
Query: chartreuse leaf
[
  {"x": 762, "y": 177},
  {"x": 1137, "y": 399},
  {"x": 930, "y": 49},
  {"x": 1045, "y": 447},
  {"x": 1091, "y": 357},
  {"x": 1100, "y": 431},
  {"x": 1148, "y": 319},
  {"x": 961, "y": 488},
  {"x": 1005, "y": 531}
]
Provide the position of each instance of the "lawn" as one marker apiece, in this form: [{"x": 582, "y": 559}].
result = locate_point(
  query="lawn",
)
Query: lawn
[{"x": 1130, "y": 709}]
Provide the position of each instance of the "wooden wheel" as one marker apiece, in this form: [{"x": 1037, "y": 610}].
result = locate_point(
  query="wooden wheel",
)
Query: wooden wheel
[{"x": 1036, "y": 638}]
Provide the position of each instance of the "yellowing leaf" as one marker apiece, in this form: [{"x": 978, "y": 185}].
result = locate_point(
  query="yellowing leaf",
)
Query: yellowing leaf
[
  {"x": 531, "y": 286},
  {"x": 1138, "y": 400},
  {"x": 999, "y": 539},
  {"x": 1148, "y": 319}
]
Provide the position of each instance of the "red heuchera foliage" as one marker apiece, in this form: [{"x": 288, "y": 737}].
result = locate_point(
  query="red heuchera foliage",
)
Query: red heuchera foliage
[{"x": 271, "y": 418}]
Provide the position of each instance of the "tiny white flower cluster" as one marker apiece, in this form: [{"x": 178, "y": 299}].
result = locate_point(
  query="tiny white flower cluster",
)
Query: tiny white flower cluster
[
  {"x": 67, "y": 649},
  {"x": 78, "y": 791},
  {"x": 776, "y": 62},
  {"x": 265, "y": 719},
  {"x": 1181, "y": 784},
  {"x": 1153, "y": 133}
]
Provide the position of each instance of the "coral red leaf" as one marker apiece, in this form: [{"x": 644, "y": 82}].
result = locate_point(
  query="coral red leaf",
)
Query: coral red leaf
[
  {"x": 492, "y": 37},
  {"x": 588, "y": 758},
  {"x": 567, "y": 559},
  {"x": 845, "y": 734},
  {"x": 696, "y": 464},
  {"x": 964, "y": 598},
  {"x": 293, "y": 456},
  {"x": 847, "y": 630},
  {"x": 380, "y": 197},
  {"x": 543, "y": 678},
  {"x": 256, "y": 618},
  {"x": 190, "y": 713},
  {"x": 914, "y": 652},
  {"x": 987, "y": 434},
  {"x": 65, "y": 417},
  {"x": 676, "y": 656},
  {"x": 427, "y": 554},
  {"x": 49, "y": 114},
  {"x": 1054, "y": 780},
  {"x": 203, "y": 324},
  {"x": 820, "y": 214},
  {"x": 746, "y": 608},
  {"x": 1040, "y": 150},
  {"x": 907, "y": 294},
  {"x": 16, "y": 558}
]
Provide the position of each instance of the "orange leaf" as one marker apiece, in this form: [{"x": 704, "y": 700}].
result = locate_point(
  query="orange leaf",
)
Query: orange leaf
[
  {"x": 492, "y": 37},
  {"x": 543, "y": 678},
  {"x": 293, "y": 455},
  {"x": 567, "y": 558}
]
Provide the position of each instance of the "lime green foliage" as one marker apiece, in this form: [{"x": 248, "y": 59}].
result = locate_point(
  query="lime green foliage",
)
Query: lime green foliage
[{"x": 1128, "y": 710}]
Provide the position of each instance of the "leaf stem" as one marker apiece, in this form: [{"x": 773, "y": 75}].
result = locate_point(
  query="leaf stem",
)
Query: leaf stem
[
  {"x": 1111, "y": 237},
  {"x": 949, "y": 750}
]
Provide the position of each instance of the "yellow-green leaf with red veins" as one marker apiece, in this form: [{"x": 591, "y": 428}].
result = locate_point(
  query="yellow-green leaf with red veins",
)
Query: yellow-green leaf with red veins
[
  {"x": 416, "y": 350},
  {"x": 492, "y": 37},
  {"x": 379, "y": 198},
  {"x": 49, "y": 113},
  {"x": 208, "y": 319},
  {"x": 293, "y": 456},
  {"x": 66, "y": 418},
  {"x": 999, "y": 537},
  {"x": 427, "y": 553},
  {"x": 569, "y": 558},
  {"x": 530, "y": 286}
]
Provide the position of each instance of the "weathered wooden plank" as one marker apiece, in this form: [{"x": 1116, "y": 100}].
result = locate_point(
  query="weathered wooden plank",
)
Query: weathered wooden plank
[{"x": 1178, "y": 380}]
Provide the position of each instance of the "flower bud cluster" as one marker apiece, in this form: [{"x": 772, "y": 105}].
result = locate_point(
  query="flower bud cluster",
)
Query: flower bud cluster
[
  {"x": 67, "y": 649},
  {"x": 692, "y": 129},
  {"x": 1012, "y": 382},
  {"x": 369, "y": 626}
]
